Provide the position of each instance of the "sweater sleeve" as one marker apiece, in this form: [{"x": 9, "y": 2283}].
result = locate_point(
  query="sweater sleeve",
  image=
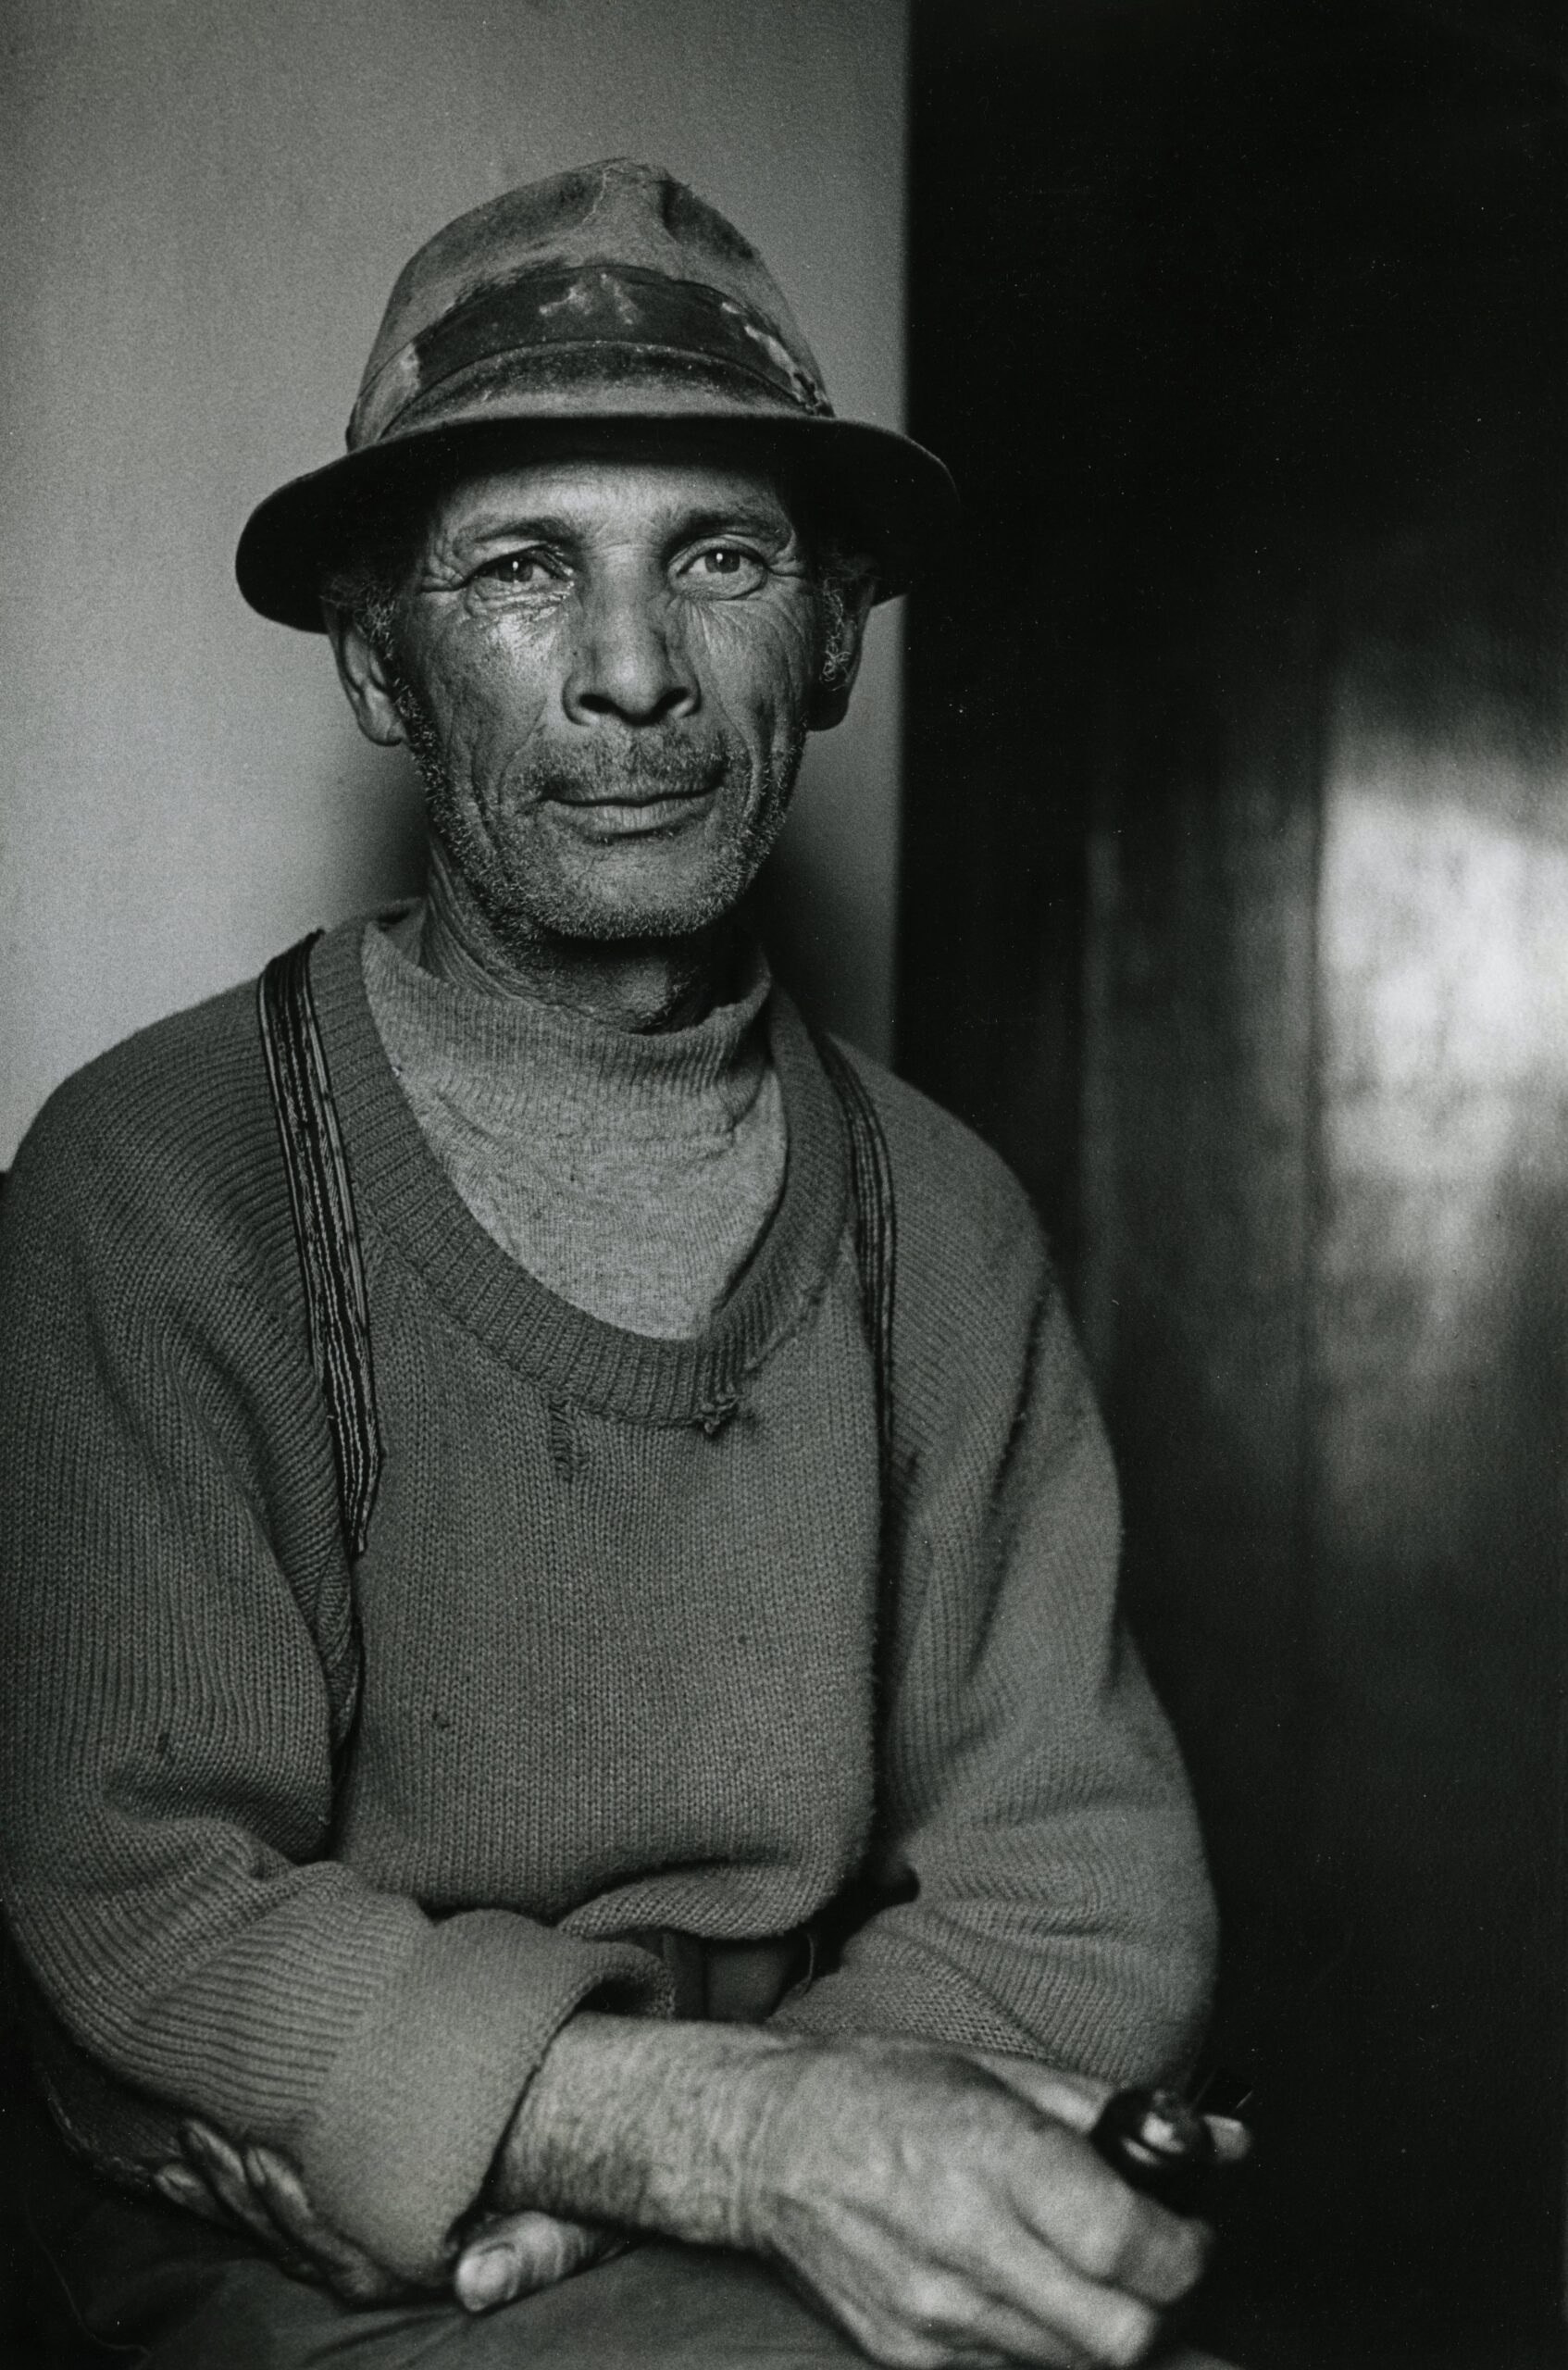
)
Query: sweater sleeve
[
  {"x": 166, "y": 1761},
  {"x": 1040, "y": 1875}
]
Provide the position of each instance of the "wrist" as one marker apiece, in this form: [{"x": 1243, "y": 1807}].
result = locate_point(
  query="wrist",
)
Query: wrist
[
  {"x": 791, "y": 2104},
  {"x": 656, "y": 2127},
  {"x": 758, "y": 2108}
]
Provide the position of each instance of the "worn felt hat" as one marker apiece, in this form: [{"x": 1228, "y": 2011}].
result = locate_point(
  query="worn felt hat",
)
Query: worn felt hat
[{"x": 556, "y": 318}]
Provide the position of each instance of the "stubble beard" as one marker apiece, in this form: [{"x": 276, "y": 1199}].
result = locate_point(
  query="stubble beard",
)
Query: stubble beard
[{"x": 661, "y": 761}]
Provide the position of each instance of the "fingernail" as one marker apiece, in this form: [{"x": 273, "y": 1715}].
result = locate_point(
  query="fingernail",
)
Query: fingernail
[
  {"x": 173, "y": 2182},
  {"x": 485, "y": 2280}
]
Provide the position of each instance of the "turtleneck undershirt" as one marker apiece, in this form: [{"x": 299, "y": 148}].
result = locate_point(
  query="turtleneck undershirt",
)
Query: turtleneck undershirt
[{"x": 631, "y": 1173}]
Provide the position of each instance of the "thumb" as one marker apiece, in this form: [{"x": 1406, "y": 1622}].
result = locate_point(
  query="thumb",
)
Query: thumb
[{"x": 517, "y": 2253}]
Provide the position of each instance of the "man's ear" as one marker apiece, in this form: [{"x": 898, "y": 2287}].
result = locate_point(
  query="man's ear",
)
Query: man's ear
[
  {"x": 841, "y": 664},
  {"x": 362, "y": 671}
]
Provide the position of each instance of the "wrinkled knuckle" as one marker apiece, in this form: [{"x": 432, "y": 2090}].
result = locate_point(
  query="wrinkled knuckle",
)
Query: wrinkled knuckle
[
  {"x": 910, "y": 2349},
  {"x": 1176, "y": 2259},
  {"x": 559, "y": 2257},
  {"x": 533, "y": 2250},
  {"x": 1105, "y": 2240},
  {"x": 928, "y": 2303},
  {"x": 1131, "y": 2329}
]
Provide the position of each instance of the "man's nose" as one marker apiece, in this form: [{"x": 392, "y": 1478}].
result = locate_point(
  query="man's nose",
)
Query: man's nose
[{"x": 631, "y": 663}]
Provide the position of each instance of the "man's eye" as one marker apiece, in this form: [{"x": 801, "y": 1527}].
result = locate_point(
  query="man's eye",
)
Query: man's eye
[
  {"x": 527, "y": 571},
  {"x": 728, "y": 568}
]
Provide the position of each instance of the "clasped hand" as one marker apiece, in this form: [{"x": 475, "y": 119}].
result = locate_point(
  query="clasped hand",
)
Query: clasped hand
[
  {"x": 941, "y": 2208},
  {"x": 259, "y": 2191}
]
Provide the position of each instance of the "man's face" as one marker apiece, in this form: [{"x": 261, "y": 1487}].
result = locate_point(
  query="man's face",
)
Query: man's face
[{"x": 604, "y": 668}]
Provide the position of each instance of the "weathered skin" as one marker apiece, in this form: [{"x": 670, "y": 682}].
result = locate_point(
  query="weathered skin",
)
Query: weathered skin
[{"x": 606, "y": 671}]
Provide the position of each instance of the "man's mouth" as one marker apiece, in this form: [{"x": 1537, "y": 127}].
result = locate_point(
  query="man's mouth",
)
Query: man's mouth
[
  {"x": 643, "y": 793},
  {"x": 641, "y": 814}
]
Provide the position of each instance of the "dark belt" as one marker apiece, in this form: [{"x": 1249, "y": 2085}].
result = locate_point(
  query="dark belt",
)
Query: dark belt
[{"x": 729, "y": 1983}]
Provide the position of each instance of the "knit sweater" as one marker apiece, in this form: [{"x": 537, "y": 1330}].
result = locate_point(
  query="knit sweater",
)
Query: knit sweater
[
  {"x": 631, "y": 1171},
  {"x": 618, "y": 1632}
]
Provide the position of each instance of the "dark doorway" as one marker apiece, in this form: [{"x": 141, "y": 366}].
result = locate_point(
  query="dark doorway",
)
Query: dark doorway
[{"x": 1235, "y": 911}]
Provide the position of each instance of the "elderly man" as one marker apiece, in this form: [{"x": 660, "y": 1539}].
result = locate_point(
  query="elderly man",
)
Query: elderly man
[{"x": 559, "y": 1563}]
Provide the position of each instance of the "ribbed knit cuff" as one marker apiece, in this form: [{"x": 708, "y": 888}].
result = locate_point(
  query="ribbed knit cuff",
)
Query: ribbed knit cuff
[{"x": 415, "y": 2107}]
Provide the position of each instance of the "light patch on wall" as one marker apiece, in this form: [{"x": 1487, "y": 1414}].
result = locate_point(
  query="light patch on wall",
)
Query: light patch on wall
[
  {"x": 1443, "y": 922},
  {"x": 1443, "y": 934}
]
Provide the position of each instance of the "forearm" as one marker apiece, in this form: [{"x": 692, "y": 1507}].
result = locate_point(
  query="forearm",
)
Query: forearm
[
  {"x": 937, "y": 2209},
  {"x": 656, "y": 2127}
]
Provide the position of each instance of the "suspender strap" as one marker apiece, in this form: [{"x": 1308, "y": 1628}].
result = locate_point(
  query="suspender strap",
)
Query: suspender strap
[
  {"x": 875, "y": 1238},
  {"x": 326, "y": 1233}
]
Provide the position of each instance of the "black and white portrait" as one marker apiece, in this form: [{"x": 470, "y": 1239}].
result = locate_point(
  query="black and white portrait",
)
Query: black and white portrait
[{"x": 783, "y": 1349}]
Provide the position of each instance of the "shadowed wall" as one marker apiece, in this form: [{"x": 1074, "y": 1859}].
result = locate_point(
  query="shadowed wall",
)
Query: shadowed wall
[
  {"x": 1236, "y": 911},
  {"x": 205, "y": 208}
]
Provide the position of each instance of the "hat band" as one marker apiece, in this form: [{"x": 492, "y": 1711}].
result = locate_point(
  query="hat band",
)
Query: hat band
[{"x": 596, "y": 304}]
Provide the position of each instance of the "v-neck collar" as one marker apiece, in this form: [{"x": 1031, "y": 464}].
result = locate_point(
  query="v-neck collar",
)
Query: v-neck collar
[{"x": 399, "y": 1181}]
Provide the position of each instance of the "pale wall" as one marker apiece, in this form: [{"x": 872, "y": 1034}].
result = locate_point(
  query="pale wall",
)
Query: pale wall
[{"x": 206, "y": 205}]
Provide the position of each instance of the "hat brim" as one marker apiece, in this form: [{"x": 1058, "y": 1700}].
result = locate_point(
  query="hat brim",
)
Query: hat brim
[{"x": 881, "y": 490}]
